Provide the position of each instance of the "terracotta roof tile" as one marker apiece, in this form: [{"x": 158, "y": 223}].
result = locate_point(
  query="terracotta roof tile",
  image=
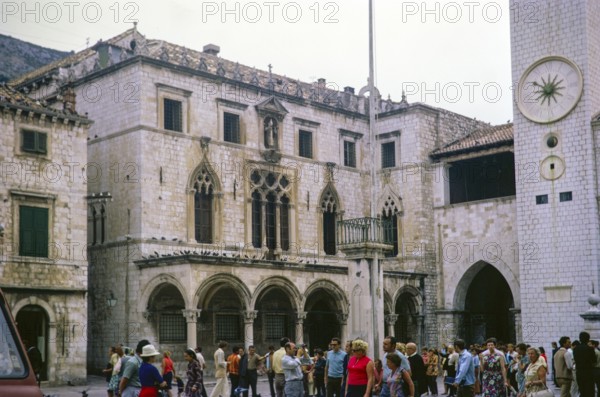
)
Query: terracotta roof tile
[
  {"x": 479, "y": 139},
  {"x": 9, "y": 97}
]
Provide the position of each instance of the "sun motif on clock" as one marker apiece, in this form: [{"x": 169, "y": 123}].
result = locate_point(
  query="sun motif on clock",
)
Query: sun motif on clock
[{"x": 549, "y": 89}]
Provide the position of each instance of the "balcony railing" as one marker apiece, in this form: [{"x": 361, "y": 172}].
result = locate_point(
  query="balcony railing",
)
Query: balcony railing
[{"x": 365, "y": 231}]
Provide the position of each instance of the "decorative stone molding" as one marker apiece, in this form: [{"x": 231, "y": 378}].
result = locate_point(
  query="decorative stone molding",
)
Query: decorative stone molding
[
  {"x": 191, "y": 315},
  {"x": 342, "y": 318},
  {"x": 390, "y": 319},
  {"x": 300, "y": 317},
  {"x": 250, "y": 315}
]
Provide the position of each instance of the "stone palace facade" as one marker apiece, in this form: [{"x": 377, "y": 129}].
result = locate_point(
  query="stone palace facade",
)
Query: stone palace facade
[{"x": 227, "y": 202}]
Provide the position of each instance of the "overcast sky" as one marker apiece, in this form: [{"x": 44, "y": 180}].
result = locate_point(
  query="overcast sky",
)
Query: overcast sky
[{"x": 454, "y": 55}]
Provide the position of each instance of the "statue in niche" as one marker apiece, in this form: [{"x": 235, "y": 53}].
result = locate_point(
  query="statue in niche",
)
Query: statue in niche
[{"x": 270, "y": 133}]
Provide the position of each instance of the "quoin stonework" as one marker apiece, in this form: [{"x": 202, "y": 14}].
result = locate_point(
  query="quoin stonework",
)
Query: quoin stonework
[{"x": 229, "y": 202}]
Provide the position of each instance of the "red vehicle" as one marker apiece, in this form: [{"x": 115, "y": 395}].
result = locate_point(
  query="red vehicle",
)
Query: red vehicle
[{"x": 16, "y": 375}]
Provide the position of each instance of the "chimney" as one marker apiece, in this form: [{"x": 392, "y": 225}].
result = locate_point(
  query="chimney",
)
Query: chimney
[
  {"x": 321, "y": 82},
  {"x": 349, "y": 90},
  {"x": 69, "y": 100},
  {"x": 211, "y": 49}
]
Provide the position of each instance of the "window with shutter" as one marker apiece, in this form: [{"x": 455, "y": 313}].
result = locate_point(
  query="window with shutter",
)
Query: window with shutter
[
  {"x": 33, "y": 231},
  {"x": 34, "y": 142}
]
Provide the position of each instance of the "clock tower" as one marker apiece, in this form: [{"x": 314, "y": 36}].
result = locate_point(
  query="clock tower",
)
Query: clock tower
[{"x": 556, "y": 74}]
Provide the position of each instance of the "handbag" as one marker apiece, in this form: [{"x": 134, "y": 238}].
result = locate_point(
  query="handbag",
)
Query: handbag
[{"x": 542, "y": 393}]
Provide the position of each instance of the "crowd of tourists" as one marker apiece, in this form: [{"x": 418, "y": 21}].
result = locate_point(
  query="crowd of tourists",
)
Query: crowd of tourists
[{"x": 346, "y": 370}]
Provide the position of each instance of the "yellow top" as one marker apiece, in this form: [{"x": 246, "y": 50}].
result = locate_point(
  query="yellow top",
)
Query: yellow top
[{"x": 277, "y": 357}]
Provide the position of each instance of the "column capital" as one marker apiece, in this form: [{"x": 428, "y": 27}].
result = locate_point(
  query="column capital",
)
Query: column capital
[
  {"x": 301, "y": 316},
  {"x": 390, "y": 319},
  {"x": 342, "y": 318},
  {"x": 191, "y": 315},
  {"x": 250, "y": 315}
]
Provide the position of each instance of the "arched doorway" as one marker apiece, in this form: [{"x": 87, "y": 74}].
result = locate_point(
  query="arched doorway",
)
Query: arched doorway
[
  {"x": 33, "y": 326},
  {"x": 487, "y": 307},
  {"x": 322, "y": 321},
  {"x": 165, "y": 305},
  {"x": 407, "y": 325},
  {"x": 222, "y": 316},
  {"x": 276, "y": 318}
]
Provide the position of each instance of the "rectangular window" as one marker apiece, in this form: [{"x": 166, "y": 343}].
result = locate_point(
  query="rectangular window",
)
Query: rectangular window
[
  {"x": 566, "y": 196},
  {"x": 350, "y": 154},
  {"x": 33, "y": 231},
  {"x": 275, "y": 326},
  {"x": 34, "y": 142},
  {"x": 388, "y": 155},
  {"x": 482, "y": 178},
  {"x": 173, "y": 115},
  {"x": 305, "y": 144},
  {"x": 541, "y": 199},
  {"x": 228, "y": 327},
  {"x": 231, "y": 128},
  {"x": 172, "y": 328}
]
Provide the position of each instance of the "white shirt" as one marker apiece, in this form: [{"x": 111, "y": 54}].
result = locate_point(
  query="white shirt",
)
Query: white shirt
[
  {"x": 200, "y": 358},
  {"x": 569, "y": 359}
]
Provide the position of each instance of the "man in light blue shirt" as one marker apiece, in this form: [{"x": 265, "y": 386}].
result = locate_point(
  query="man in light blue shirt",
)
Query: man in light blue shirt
[
  {"x": 334, "y": 368},
  {"x": 389, "y": 347},
  {"x": 465, "y": 374},
  {"x": 292, "y": 368}
]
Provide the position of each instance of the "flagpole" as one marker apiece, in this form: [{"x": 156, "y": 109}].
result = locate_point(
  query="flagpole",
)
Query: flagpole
[{"x": 375, "y": 262}]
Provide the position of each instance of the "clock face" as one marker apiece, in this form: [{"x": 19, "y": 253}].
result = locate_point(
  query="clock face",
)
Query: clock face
[{"x": 549, "y": 89}]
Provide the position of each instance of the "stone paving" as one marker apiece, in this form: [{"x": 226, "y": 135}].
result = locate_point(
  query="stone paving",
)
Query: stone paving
[{"x": 96, "y": 387}]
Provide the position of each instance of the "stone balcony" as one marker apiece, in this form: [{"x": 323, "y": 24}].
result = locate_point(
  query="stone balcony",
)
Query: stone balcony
[{"x": 365, "y": 237}]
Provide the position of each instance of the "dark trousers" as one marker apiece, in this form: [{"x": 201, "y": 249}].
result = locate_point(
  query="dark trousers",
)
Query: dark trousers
[
  {"x": 250, "y": 381},
  {"x": 585, "y": 382},
  {"x": 203, "y": 393},
  {"x": 279, "y": 384},
  {"x": 334, "y": 387},
  {"x": 465, "y": 391},
  {"x": 235, "y": 382},
  {"x": 320, "y": 386},
  {"x": 356, "y": 391},
  {"x": 432, "y": 384},
  {"x": 271, "y": 376}
]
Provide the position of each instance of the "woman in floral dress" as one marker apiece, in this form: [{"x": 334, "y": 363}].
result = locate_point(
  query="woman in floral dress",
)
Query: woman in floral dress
[{"x": 493, "y": 370}]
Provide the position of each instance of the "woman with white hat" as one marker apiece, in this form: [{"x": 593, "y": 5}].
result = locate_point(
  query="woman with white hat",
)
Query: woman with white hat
[{"x": 149, "y": 376}]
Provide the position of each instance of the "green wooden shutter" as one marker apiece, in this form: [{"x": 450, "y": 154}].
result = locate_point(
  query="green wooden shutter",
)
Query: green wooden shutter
[
  {"x": 28, "y": 141},
  {"x": 33, "y": 231},
  {"x": 42, "y": 145}
]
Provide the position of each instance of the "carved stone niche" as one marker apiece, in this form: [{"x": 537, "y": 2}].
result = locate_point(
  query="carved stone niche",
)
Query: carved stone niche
[{"x": 271, "y": 113}]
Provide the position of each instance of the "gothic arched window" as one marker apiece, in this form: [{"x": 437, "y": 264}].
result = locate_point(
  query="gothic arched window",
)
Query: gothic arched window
[
  {"x": 329, "y": 208},
  {"x": 203, "y": 207},
  {"x": 390, "y": 215},
  {"x": 256, "y": 220}
]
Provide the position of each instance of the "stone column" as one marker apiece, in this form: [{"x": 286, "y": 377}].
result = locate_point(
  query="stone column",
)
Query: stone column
[
  {"x": 343, "y": 320},
  {"x": 516, "y": 312},
  {"x": 390, "y": 321},
  {"x": 278, "y": 228},
  {"x": 420, "y": 331},
  {"x": 191, "y": 219},
  {"x": 52, "y": 349},
  {"x": 300, "y": 317},
  {"x": 191, "y": 318},
  {"x": 249, "y": 317},
  {"x": 263, "y": 220}
]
